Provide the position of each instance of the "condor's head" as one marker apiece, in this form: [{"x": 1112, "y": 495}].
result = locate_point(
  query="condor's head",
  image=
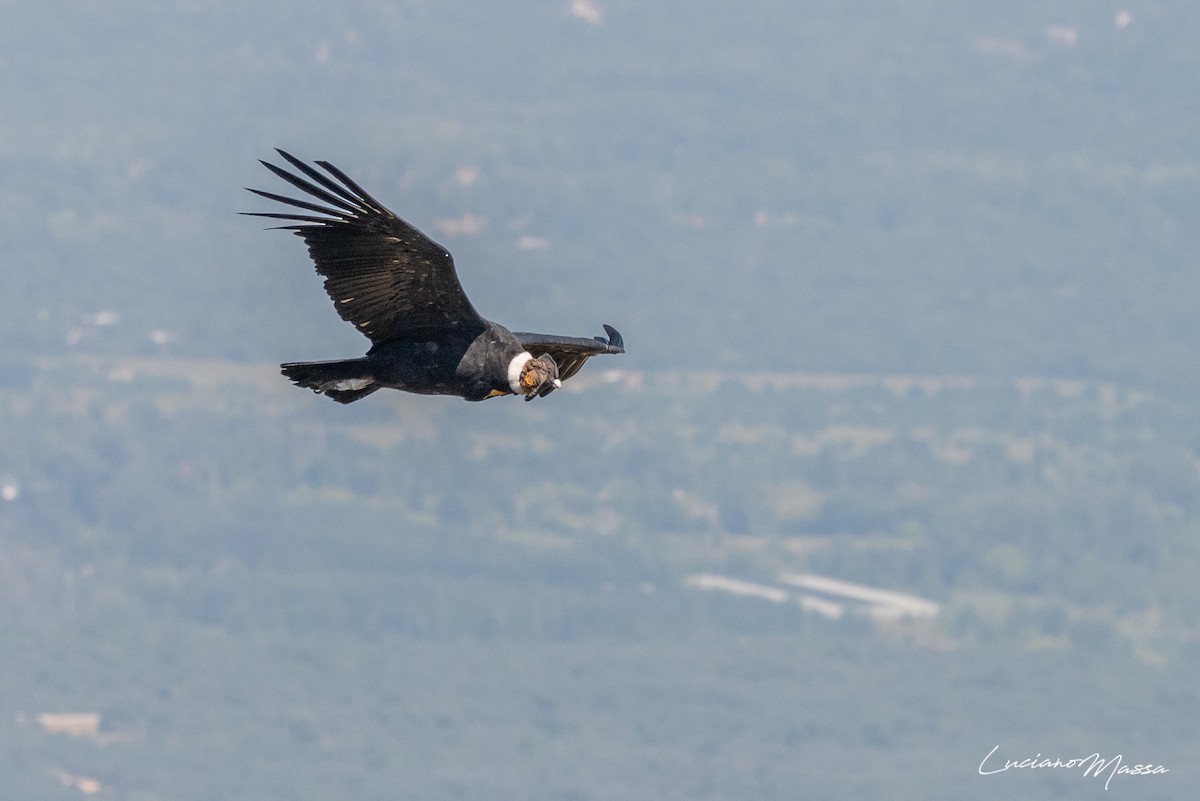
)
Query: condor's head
[{"x": 533, "y": 378}]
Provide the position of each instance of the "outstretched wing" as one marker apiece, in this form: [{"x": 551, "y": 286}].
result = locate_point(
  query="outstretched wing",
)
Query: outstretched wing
[
  {"x": 383, "y": 275},
  {"x": 571, "y": 352}
]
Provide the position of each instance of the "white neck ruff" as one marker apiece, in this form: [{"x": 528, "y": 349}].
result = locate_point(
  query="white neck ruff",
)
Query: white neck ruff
[{"x": 514, "y": 371}]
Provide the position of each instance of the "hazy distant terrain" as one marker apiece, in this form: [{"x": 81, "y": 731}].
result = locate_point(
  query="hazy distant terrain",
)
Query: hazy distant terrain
[{"x": 908, "y": 292}]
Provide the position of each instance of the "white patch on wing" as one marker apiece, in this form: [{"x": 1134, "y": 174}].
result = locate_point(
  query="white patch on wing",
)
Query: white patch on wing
[
  {"x": 351, "y": 384},
  {"x": 514, "y": 370}
]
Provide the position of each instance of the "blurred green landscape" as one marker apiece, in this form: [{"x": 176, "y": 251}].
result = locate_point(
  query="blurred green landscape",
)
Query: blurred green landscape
[{"x": 908, "y": 292}]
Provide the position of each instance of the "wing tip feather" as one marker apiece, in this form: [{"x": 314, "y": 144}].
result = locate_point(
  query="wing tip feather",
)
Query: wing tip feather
[{"x": 616, "y": 342}]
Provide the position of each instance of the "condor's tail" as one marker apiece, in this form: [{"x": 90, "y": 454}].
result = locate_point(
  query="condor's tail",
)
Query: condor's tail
[{"x": 344, "y": 381}]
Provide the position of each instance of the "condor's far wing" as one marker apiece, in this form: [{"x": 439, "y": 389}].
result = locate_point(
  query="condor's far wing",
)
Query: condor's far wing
[
  {"x": 383, "y": 275},
  {"x": 571, "y": 352}
]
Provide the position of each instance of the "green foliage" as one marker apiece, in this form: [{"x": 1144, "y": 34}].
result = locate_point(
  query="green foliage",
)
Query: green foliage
[
  {"x": 426, "y": 598},
  {"x": 839, "y": 239}
]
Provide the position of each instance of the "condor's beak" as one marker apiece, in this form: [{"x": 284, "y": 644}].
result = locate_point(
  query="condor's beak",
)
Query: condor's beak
[{"x": 545, "y": 390}]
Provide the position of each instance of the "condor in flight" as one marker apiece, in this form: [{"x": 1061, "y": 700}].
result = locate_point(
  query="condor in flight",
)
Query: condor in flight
[{"x": 399, "y": 288}]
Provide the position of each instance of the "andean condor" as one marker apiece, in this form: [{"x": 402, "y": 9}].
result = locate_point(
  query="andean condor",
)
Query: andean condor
[{"x": 399, "y": 288}]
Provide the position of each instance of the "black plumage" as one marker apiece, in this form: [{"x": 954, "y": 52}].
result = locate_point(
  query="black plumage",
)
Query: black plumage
[{"x": 400, "y": 289}]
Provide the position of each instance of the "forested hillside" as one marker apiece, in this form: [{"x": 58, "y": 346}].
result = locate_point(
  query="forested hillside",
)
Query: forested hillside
[
  {"x": 920, "y": 187},
  {"x": 908, "y": 292},
  {"x": 227, "y": 554}
]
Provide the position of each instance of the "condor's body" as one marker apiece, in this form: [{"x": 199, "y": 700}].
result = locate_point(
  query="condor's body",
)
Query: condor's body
[{"x": 474, "y": 366}]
